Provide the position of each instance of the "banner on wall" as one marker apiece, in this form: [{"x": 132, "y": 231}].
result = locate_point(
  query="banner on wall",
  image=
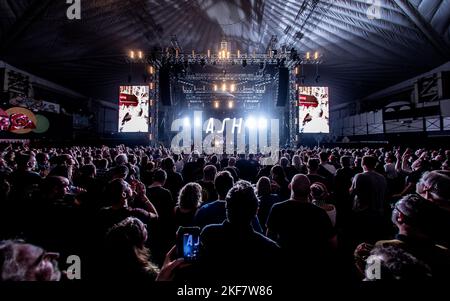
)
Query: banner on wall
[
  {"x": 35, "y": 105},
  {"x": 19, "y": 120}
]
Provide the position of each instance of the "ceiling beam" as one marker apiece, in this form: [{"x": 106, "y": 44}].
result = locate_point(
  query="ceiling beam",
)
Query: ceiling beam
[
  {"x": 425, "y": 27},
  {"x": 34, "y": 11}
]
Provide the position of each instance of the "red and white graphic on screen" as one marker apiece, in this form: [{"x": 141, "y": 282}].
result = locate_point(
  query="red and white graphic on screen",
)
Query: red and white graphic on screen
[
  {"x": 133, "y": 109},
  {"x": 313, "y": 107}
]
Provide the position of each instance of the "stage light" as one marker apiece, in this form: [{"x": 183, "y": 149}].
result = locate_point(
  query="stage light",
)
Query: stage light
[
  {"x": 308, "y": 55},
  {"x": 215, "y": 87},
  {"x": 228, "y": 55},
  {"x": 262, "y": 123},
  {"x": 186, "y": 122},
  {"x": 224, "y": 87},
  {"x": 316, "y": 55},
  {"x": 132, "y": 54},
  {"x": 296, "y": 70},
  {"x": 209, "y": 53},
  {"x": 140, "y": 55},
  {"x": 232, "y": 87},
  {"x": 238, "y": 54},
  {"x": 151, "y": 70},
  {"x": 197, "y": 122},
  {"x": 230, "y": 104},
  {"x": 216, "y": 104},
  {"x": 250, "y": 123}
]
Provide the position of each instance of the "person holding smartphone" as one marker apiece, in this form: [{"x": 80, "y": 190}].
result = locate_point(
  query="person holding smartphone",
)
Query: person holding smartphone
[{"x": 233, "y": 249}]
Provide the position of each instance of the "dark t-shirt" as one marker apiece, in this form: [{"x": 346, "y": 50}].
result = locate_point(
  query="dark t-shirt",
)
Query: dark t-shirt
[
  {"x": 208, "y": 187},
  {"x": 163, "y": 233},
  {"x": 191, "y": 172},
  {"x": 302, "y": 228},
  {"x": 161, "y": 198},
  {"x": 318, "y": 178},
  {"x": 265, "y": 205},
  {"x": 343, "y": 180},
  {"x": 23, "y": 184},
  {"x": 290, "y": 172},
  {"x": 215, "y": 213},
  {"x": 224, "y": 163},
  {"x": 23, "y": 179},
  {"x": 174, "y": 183},
  {"x": 414, "y": 176},
  {"x": 230, "y": 252},
  {"x": 184, "y": 219}
]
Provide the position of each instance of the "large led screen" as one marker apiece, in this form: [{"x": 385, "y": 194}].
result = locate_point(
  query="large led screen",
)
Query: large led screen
[
  {"x": 313, "y": 107},
  {"x": 133, "y": 109}
]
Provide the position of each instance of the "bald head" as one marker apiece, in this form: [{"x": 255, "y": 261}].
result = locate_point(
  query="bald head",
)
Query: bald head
[{"x": 300, "y": 187}]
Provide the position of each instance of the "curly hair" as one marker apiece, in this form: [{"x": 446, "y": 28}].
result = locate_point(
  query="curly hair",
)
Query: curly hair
[
  {"x": 190, "y": 196},
  {"x": 126, "y": 243}
]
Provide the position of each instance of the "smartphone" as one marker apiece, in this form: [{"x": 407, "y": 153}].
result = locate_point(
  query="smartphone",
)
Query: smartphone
[{"x": 188, "y": 243}]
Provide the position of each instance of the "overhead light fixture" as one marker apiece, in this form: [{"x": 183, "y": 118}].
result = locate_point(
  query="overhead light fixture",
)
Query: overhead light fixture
[
  {"x": 316, "y": 55},
  {"x": 216, "y": 104},
  {"x": 232, "y": 87},
  {"x": 215, "y": 87},
  {"x": 230, "y": 104},
  {"x": 224, "y": 87},
  {"x": 132, "y": 54},
  {"x": 140, "y": 54},
  {"x": 308, "y": 55}
]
